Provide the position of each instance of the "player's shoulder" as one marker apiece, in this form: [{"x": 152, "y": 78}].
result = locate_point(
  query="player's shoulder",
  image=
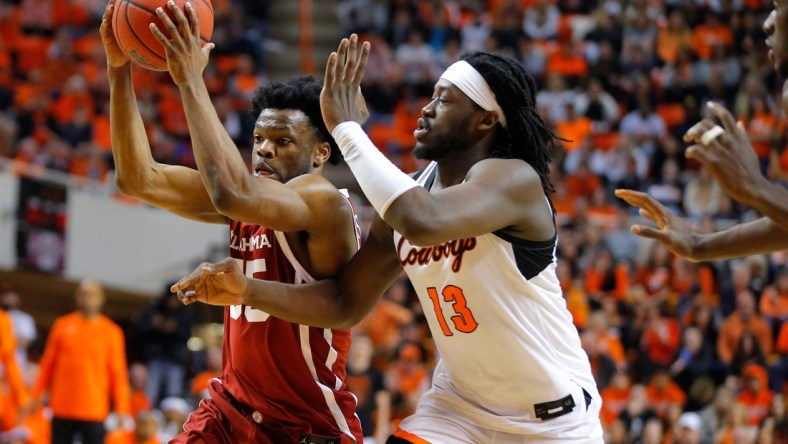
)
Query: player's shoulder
[
  {"x": 315, "y": 189},
  {"x": 509, "y": 171}
]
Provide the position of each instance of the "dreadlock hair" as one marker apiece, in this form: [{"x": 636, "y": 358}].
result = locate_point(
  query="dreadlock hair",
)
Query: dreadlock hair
[
  {"x": 526, "y": 136},
  {"x": 300, "y": 93}
]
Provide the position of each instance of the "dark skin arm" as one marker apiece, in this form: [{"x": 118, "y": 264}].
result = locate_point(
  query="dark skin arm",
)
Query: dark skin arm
[
  {"x": 496, "y": 193},
  {"x": 732, "y": 161},
  {"x": 289, "y": 207},
  {"x": 174, "y": 188},
  {"x": 755, "y": 237},
  {"x": 329, "y": 303}
]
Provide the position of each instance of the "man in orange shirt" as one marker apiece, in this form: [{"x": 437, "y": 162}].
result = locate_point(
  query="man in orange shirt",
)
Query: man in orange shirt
[
  {"x": 13, "y": 396},
  {"x": 83, "y": 366},
  {"x": 743, "y": 319}
]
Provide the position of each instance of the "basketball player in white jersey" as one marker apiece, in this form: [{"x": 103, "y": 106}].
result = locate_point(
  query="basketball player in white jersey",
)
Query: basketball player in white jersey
[{"x": 475, "y": 232}]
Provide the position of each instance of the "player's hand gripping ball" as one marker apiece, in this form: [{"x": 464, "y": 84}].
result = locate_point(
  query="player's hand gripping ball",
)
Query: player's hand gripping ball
[{"x": 131, "y": 21}]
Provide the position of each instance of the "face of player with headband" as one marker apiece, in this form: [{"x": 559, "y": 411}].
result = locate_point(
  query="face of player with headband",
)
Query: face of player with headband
[
  {"x": 448, "y": 125},
  {"x": 776, "y": 29}
]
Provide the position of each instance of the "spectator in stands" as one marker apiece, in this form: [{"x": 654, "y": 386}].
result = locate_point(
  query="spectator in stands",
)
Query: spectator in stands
[
  {"x": 366, "y": 382},
  {"x": 14, "y": 399},
  {"x": 82, "y": 369},
  {"x": 161, "y": 333},
  {"x": 755, "y": 395},
  {"x": 138, "y": 380},
  {"x": 213, "y": 369},
  {"x": 24, "y": 326},
  {"x": 743, "y": 319}
]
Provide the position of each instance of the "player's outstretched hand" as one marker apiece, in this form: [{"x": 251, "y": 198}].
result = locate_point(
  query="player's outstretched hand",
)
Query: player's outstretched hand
[
  {"x": 116, "y": 58},
  {"x": 186, "y": 57},
  {"x": 729, "y": 156},
  {"x": 673, "y": 232},
  {"x": 222, "y": 283},
  {"x": 341, "y": 99}
]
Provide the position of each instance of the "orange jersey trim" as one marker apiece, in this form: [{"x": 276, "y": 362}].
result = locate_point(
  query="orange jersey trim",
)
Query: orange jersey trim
[{"x": 410, "y": 437}]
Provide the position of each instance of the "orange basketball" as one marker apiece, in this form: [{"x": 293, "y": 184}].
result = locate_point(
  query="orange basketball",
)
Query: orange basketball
[{"x": 131, "y": 21}]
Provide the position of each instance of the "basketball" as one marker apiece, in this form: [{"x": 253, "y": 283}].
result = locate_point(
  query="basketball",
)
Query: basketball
[{"x": 131, "y": 21}]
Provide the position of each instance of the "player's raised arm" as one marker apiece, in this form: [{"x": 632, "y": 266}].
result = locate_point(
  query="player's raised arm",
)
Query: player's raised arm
[
  {"x": 727, "y": 153},
  {"x": 472, "y": 196},
  {"x": 174, "y": 188},
  {"x": 282, "y": 204},
  {"x": 339, "y": 302}
]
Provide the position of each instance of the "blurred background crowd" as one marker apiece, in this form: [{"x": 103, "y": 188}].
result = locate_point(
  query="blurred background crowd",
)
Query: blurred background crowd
[{"x": 681, "y": 351}]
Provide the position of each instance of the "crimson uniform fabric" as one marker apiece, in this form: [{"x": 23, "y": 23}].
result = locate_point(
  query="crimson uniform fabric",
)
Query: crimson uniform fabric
[{"x": 293, "y": 375}]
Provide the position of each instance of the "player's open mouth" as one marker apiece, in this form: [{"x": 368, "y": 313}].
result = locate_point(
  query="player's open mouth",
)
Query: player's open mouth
[
  {"x": 262, "y": 170},
  {"x": 421, "y": 129}
]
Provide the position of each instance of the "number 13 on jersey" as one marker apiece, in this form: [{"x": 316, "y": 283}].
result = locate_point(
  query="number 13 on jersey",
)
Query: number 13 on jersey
[{"x": 462, "y": 318}]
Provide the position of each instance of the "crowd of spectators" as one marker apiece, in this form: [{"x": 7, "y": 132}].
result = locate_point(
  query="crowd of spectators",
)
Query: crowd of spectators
[{"x": 681, "y": 351}]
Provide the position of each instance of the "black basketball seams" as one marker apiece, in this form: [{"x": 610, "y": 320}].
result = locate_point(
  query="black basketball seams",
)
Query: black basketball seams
[{"x": 133, "y": 31}]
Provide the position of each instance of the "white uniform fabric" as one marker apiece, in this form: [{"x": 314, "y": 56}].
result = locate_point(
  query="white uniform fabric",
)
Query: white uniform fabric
[{"x": 505, "y": 338}]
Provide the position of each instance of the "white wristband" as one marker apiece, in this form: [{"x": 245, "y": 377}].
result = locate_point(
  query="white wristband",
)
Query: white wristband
[{"x": 380, "y": 180}]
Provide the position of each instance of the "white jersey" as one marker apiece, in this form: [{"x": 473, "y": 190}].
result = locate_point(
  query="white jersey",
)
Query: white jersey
[{"x": 505, "y": 337}]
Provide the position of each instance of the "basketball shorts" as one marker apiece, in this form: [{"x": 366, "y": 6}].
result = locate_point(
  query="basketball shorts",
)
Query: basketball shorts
[
  {"x": 221, "y": 419},
  {"x": 437, "y": 421}
]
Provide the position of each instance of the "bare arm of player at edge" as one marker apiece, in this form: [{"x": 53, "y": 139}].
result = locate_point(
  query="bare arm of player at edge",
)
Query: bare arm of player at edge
[
  {"x": 302, "y": 204},
  {"x": 732, "y": 161},
  {"x": 495, "y": 194},
  {"x": 174, "y": 188}
]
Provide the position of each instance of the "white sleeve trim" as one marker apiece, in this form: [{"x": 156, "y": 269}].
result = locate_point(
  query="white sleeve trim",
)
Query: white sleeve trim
[{"x": 380, "y": 180}]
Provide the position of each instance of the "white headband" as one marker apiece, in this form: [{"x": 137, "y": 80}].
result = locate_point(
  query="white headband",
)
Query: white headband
[{"x": 462, "y": 75}]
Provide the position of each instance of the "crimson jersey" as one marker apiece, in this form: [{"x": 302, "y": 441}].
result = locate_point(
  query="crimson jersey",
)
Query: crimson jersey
[{"x": 292, "y": 372}]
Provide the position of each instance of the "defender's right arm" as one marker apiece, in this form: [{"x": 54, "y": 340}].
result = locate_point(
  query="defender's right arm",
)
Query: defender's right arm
[
  {"x": 340, "y": 302},
  {"x": 176, "y": 189}
]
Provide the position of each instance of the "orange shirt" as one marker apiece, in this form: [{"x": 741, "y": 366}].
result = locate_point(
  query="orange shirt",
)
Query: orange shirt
[
  {"x": 731, "y": 330},
  {"x": 614, "y": 401},
  {"x": 670, "y": 42},
  {"x": 575, "y": 131},
  {"x": 83, "y": 366},
  {"x": 774, "y": 304},
  {"x": 661, "y": 400},
  {"x": 782, "y": 339},
  {"x": 12, "y": 388},
  {"x": 662, "y": 341},
  {"x": 705, "y": 37},
  {"x": 139, "y": 402},
  {"x": 200, "y": 382},
  {"x": 756, "y": 405}
]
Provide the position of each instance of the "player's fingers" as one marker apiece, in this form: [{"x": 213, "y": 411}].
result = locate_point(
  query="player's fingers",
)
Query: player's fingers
[
  {"x": 328, "y": 81},
  {"x": 181, "y": 22},
  {"x": 641, "y": 200},
  {"x": 699, "y": 152},
  {"x": 728, "y": 122},
  {"x": 108, "y": 11},
  {"x": 649, "y": 232},
  {"x": 194, "y": 21},
  {"x": 161, "y": 37},
  {"x": 696, "y": 131},
  {"x": 169, "y": 26},
  {"x": 341, "y": 59},
  {"x": 352, "y": 57},
  {"x": 361, "y": 67}
]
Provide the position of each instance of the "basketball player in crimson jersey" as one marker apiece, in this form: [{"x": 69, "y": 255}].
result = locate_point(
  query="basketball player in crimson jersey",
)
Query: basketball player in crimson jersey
[
  {"x": 476, "y": 235},
  {"x": 281, "y": 382}
]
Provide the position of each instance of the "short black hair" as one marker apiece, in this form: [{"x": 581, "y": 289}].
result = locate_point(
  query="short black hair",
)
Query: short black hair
[
  {"x": 526, "y": 136},
  {"x": 299, "y": 93}
]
